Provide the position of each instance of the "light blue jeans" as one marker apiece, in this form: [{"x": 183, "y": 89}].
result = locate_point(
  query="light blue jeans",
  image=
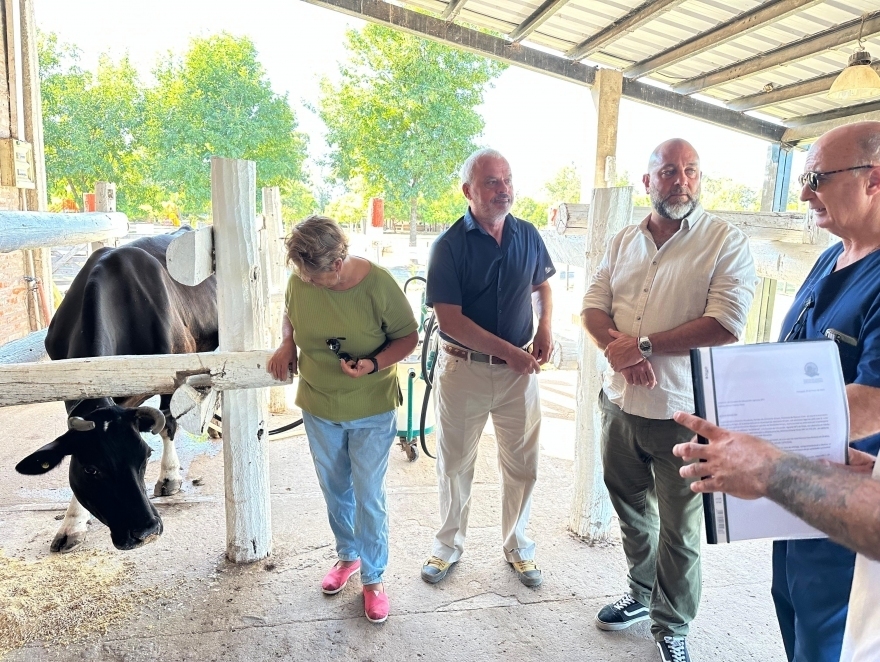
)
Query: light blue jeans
[{"x": 351, "y": 459}]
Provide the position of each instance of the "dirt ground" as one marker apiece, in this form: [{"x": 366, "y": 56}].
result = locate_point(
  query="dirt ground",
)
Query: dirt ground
[{"x": 189, "y": 603}]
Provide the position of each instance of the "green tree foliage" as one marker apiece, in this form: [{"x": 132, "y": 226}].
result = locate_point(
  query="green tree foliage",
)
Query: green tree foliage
[
  {"x": 565, "y": 185},
  {"x": 530, "y": 210},
  {"x": 156, "y": 142},
  {"x": 217, "y": 100},
  {"x": 297, "y": 202},
  {"x": 445, "y": 208},
  {"x": 90, "y": 123},
  {"x": 725, "y": 194},
  {"x": 403, "y": 114}
]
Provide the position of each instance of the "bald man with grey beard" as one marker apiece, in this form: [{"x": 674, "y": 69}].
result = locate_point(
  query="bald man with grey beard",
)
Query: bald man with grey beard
[{"x": 681, "y": 278}]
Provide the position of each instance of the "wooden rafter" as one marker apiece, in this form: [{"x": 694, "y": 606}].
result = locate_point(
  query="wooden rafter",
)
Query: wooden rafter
[
  {"x": 489, "y": 45},
  {"x": 537, "y": 17},
  {"x": 837, "y": 113},
  {"x": 452, "y": 9},
  {"x": 735, "y": 27},
  {"x": 823, "y": 41},
  {"x": 804, "y": 88},
  {"x": 625, "y": 24}
]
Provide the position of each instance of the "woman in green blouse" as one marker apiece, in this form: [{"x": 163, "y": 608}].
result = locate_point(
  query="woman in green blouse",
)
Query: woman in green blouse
[{"x": 347, "y": 324}]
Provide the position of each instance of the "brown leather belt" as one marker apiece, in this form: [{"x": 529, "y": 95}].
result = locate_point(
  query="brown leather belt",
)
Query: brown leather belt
[{"x": 462, "y": 353}]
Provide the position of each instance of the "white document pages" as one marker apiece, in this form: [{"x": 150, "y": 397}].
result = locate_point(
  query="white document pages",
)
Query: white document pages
[{"x": 791, "y": 394}]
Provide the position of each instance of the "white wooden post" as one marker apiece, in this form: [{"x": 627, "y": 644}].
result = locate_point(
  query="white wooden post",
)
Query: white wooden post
[
  {"x": 105, "y": 200},
  {"x": 242, "y": 327},
  {"x": 276, "y": 281},
  {"x": 590, "y": 517},
  {"x": 105, "y": 196}
]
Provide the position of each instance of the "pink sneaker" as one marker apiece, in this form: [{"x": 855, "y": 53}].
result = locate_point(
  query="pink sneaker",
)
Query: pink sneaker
[
  {"x": 337, "y": 578},
  {"x": 376, "y": 606}
]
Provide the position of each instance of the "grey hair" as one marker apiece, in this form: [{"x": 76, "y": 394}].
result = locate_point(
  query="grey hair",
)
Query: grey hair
[
  {"x": 870, "y": 147},
  {"x": 467, "y": 168},
  {"x": 315, "y": 244}
]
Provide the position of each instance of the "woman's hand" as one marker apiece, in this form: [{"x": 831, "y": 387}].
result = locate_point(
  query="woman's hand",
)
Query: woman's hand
[
  {"x": 282, "y": 363},
  {"x": 356, "y": 369}
]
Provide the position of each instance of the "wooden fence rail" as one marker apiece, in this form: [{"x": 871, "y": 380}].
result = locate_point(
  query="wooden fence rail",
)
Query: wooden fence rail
[{"x": 29, "y": 230}]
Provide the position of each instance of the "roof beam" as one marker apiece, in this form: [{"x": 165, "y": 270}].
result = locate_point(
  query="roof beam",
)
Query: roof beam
[
  {"x": 837, "y": 113},
  {"x": 696, "y": 109},
  {"x": 809, "y": 132},
  {"x": 557, "y": 66},
  {"x": 724, "y": 32},
  {"x": 623, "y": 25},
  {"x": 804, "y": 88},
  {"x": 452, "y": 9},
  {"x": 822, "y": 41},
  {"x": 536, "y": 19}
]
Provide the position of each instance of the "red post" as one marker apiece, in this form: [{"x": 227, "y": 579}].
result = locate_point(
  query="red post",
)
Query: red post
[{"x": 376, "y": 212}]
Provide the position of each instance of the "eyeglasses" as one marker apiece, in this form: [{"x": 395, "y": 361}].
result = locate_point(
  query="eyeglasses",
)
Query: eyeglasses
[
  {"x": 800, "y": 324},
  {"x": 812, "y": 178}
]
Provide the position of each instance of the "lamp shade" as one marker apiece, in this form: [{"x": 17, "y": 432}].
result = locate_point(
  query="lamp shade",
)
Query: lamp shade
[{"x": 857, "y": 81}]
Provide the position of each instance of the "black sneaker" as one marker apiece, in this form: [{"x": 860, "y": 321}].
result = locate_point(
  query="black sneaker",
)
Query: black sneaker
[
  {"x": 673, "y": 649},
  {"x": 622, "y": 614}
]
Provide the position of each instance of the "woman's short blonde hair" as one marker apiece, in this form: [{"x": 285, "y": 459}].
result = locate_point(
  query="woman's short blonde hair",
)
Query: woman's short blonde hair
[{"x": 315, "y": 244}]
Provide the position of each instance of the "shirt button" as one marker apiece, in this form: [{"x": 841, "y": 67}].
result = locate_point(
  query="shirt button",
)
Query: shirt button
[
  {"x": 646, "y": 289},
  {"x": 654, "y": 262},
  {"x": 638, "y": 318}
]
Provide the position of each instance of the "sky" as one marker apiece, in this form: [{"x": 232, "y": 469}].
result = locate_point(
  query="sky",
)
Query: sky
[{"x": 539, "y": 123}]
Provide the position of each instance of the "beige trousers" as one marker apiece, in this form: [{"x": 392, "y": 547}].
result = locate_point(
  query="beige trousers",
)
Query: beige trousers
[{"x": 466, "y": 393}]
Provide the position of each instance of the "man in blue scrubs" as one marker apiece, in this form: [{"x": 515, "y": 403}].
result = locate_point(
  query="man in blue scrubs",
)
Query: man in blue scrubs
[
  {"x": 840, "y": 299},
  {"x": 488, "y": 274}
]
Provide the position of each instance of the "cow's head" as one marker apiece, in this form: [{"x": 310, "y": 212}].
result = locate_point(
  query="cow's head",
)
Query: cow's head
[{"x": 108, "y": 458}]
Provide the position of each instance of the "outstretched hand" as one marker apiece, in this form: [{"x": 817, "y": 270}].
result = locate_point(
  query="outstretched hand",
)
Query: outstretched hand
[{"x": 739, "y": 464}]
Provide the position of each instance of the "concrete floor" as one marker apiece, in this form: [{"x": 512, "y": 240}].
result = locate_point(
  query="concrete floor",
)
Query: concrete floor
[{"x": 209, "y": 609}]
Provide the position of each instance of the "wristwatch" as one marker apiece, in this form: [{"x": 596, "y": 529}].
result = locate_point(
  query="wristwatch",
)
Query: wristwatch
[
  {"x": 645, "y": 347},
  {"x": 375, "y": 365}
]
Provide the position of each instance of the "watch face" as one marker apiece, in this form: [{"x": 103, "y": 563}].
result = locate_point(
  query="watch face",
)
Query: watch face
[{"x": 645, "y": 345}]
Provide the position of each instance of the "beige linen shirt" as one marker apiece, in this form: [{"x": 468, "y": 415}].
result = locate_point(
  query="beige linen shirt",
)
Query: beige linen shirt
[{"x": 704, "y": 269}]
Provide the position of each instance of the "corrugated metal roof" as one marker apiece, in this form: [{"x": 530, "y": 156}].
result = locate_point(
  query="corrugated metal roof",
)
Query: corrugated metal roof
[{"x": 574, "y": 21}]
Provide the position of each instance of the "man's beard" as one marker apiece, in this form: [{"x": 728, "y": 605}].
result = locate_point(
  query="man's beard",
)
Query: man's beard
[{"x": 674, "y": 211}]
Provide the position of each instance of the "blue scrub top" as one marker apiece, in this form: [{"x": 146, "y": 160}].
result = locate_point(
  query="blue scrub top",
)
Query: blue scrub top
[
  {"x": 846, "y": 301},
  {"x": 492, "y": 284}
]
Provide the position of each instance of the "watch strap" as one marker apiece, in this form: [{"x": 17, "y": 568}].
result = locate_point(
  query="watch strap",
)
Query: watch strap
[{"x": 375, "y": 365}]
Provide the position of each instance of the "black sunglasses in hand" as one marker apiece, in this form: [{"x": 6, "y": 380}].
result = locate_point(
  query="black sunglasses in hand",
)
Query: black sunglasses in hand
[{"x": 336, "y": 347}]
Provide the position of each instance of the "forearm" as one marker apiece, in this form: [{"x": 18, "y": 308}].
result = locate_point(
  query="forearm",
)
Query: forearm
[
  {"x": 542, "y": 303},
  {"x": 397, "y": 350},
  {"x": 844, "y": 505},
  {"x": 864, "y": 404},
  {"x": 596, "y": 323},
  {"x": 456, "y": 325},
  {"x": 287, "y": 331},
  {"x": 701, "y": 332}
]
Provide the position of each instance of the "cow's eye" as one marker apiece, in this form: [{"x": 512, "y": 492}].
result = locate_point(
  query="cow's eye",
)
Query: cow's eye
[{"x": 91, "y": 471}]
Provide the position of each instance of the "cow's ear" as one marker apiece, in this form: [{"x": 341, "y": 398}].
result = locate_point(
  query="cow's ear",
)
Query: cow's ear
[{"x": 46, "y": 458}]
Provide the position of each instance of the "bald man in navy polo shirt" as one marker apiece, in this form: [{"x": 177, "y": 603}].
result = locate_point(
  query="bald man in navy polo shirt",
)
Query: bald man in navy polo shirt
[{"x": 487, "y": 278}]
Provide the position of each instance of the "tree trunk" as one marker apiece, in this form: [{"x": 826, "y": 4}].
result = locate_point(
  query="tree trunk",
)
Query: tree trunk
[
  {"x": 413, "y": 221},
  {"x": 74, "y": 192}
]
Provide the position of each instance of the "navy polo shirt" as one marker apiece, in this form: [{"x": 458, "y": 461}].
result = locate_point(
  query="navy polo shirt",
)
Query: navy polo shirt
[{"x": 492, "y": 284}]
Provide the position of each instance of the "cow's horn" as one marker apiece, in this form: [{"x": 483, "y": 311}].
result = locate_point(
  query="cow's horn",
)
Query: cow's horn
[
  {"x": 80, "y": 424},
  {"x": 157, "y": 416}
]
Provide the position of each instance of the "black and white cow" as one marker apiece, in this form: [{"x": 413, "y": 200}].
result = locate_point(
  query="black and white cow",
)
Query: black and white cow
[{"x": 123, "y": 301}]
